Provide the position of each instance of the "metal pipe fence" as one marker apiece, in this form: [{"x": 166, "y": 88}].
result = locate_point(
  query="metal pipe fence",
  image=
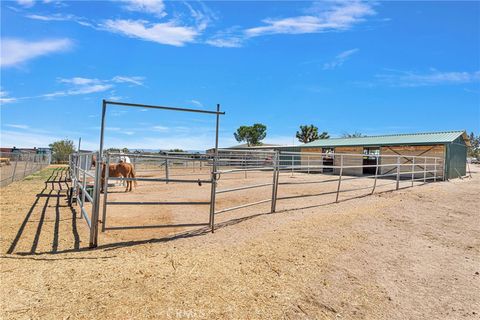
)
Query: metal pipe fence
[
  {"x": 15, "y": 166},
  {"x": 83, "y": 175},
  {"x": 335, "y": 171},
  {"x": 347, "y": 167}
]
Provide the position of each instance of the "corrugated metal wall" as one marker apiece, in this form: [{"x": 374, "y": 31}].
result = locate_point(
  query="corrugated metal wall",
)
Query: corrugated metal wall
[{"x": 456, "y": 159}]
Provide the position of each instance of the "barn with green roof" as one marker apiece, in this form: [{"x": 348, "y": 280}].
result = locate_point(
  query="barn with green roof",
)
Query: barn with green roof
[{"x": 449, "y": 146}]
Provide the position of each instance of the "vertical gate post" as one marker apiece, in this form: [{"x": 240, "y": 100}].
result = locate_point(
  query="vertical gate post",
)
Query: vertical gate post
[
  {"x": 26, "y": 165},
  {"x": 435, "y": 171},
  {"x": 292, "y": 164},
  {"x": 98, "y": 173},
  {"x": 376, "y": 174},
  {"x": 425, "y": 170},
  {"x": 275, "y": 182},
  {"x": 167, "y": 175},
  {"x": 340, "y": 177},
  {"x": 413, "y": 169},
  {"x": 105, "y": 193},
  {"x": 214, "y": 175},
  {"x": 84, "y": 183},
  {"x": 15, "y": 167},
  {"x": 77, "y": 169},
  {"x": 398, "y": 173}
]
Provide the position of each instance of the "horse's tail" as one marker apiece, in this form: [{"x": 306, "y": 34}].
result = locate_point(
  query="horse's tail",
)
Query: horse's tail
[{"x": 132, "y": 173}]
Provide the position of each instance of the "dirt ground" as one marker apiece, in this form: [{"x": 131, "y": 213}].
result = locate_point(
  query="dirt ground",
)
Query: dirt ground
[{"x": 408, "y": 254}]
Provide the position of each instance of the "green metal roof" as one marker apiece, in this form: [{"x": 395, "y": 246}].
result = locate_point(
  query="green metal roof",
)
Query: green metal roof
[{"x": 394, "y": 139}]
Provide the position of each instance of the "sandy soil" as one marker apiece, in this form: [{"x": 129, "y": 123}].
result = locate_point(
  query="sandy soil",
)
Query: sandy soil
[{"x": 408, "y": 254}]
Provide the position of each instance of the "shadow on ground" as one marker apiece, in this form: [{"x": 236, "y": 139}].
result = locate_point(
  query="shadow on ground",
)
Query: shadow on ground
[{"x": 55, "y": 190}]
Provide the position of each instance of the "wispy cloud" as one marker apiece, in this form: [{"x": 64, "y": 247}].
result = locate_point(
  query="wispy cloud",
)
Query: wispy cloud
[
  {"x": 16, "y": 51},
  {"x": 196, "y": 102},
  {"x": 155, "y": 7},
  {"x": 434, "y": 77},
  {"x": 79, "y": 81},
  {"x": 62, "y": 17},
  {"x": 85, "y": 89},
  {"x": 26, "y": 3},
  {"x": 80, "y": 86},
  {"x": 132, "y": 80},
  {"x": 160, "y": 128},
  {"x": 320, "y": 17},
  {"x": 17, "y": 126},
  {"x": 340, "y": 16},
  {"x": 164, "y": 33},
  {"x": 340, "y": 59},
  {"x": 4, "y": 98}
]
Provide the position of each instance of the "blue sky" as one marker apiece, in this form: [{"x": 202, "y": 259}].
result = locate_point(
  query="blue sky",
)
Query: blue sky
[{"x": 371, "y": 67}]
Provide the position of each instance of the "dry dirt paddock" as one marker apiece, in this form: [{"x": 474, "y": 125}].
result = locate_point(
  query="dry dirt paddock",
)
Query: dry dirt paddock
[{"x": 408, "y": 254}]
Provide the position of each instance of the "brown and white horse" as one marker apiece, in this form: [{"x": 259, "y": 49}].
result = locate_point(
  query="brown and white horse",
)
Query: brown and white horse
[{"x": 117, "y": 170}]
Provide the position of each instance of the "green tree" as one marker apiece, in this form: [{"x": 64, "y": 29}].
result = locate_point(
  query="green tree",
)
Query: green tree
[
  {"x": 353, "y": 135},
  {"x": 176, "y": 150},
  {"x": 474, "y": 150},
  {"x": 252, "y": 135},
  {"x": 310, "y": 133},
  {"x": 61, "y": 150}
]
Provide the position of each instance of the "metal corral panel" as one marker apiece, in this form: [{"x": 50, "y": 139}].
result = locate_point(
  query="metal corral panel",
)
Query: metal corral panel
[
  {"x": 349, "y": 160},
  {"x": 421, "y": 164},
  {"x": 456, "y": 159},
  {"x": 287, "y": 160},
  {"x": 390, "y": 140}
]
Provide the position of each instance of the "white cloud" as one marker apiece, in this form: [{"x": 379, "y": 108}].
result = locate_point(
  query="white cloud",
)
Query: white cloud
[
  {"x": 4, "y": 98},
  {"x": 230, "y": 42},
  {"x": 160, "y": 128},
  {"x": 163, "y": 33},
  {"x": 196, "y": 102},
  {"x": 79, "y": 81},
  {"x": 17, "y": 51},
  {"x": 81, "y": 85},
  {"x": 62, "y": 17},
  {"x": 156, "y": 7},
  {"x": 17, "y": 126},
  {"x": 340, "y": 59},
  {"x": 323, "y": 18},
  {"x": 86, "y": 89},
  {"x": 432, "y": 78},
  {"x": 26, "y": 3},
  {"x": 133, "y": 80}
]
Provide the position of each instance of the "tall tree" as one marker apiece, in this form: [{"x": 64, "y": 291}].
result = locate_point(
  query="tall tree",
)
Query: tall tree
[
  {"x": 309, "y": 133},
  {"x": 61, "y": 150},
  {"x": 252, "y": 135},
  {"x": 474, "y": 150},
  {"x": 353, "y": 135}
]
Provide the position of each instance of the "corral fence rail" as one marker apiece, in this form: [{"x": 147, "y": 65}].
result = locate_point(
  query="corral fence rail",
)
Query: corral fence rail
[
  {"x": 17, "y": 165},
  {"x": 84, "y": 180},
  {"x": 390, "y": 169},
  {"x": 335, "y": 170}
]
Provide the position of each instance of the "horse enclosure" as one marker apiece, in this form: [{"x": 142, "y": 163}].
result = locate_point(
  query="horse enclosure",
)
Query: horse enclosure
[{"x": 180, "y": 191}]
